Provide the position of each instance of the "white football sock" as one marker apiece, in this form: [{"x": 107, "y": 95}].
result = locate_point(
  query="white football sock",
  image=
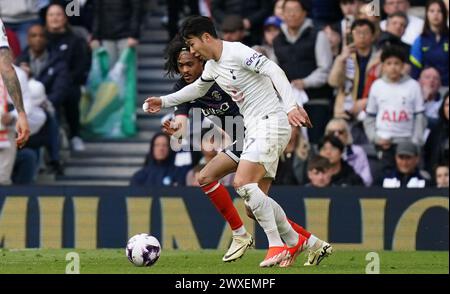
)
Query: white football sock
[
  {"x": 286, "y": 231},
  {"x": 260, "y": 205},
  {"x": 312, "y": 241},
  {"x": 239, "y": 232}
]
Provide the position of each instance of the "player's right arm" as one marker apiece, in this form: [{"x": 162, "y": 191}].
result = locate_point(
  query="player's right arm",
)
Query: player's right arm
[{"x": 191, "y": 92}]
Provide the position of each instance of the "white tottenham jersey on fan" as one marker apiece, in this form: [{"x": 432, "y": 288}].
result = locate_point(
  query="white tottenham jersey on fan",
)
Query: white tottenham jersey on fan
[
  {"x": 395, "y": 105},
  {"x": 248, "y": 77},
  {"x": 3, "y": 38}
]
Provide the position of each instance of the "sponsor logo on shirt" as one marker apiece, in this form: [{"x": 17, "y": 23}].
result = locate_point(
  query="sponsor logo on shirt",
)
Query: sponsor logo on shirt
[
  {"x": 395, "y": 116},
  {"x": 252, "y": 59}
]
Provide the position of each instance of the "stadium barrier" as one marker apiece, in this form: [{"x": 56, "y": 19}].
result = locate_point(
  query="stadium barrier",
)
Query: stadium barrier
[{"x": 183, "y": 218}]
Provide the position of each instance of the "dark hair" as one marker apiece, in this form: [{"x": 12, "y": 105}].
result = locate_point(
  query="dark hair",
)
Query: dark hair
[
  {"x": 171, "y": 55},
  {"x": 196, "y": 26},
  {"x": 443, "y": 30},
  {"x": 364, "y": 22},
  {"x": 334, "y": 141},
  {"x": 394, "y": 51},
  {"x": 150, "y": 158},
  {"x": 347, "y": 1},
  {"x": 319, "y": 163},
  {"x": 399, "y": 14},
  {"x": 305, "y": 4}
]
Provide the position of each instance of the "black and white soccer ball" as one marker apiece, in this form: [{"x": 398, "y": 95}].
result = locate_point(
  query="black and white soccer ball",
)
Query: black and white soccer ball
[{"x": 143, "y": 250}]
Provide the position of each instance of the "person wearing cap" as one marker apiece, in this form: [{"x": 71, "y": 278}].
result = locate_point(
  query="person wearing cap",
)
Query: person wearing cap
[
  {"x": 406, "y": 173},
  {"x": 233, "y": 28},
  {"x": 272, "y": 26}
]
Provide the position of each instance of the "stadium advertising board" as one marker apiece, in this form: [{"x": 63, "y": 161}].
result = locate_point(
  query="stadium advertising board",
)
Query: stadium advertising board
[{"x": 183, "y": 218}]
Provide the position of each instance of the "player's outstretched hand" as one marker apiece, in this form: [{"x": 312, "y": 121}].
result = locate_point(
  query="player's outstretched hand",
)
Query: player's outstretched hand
[
  {"x": 170, "y": 127},
  {"x": 152, "y": 105},
  {"x": 299, "y": 118}
]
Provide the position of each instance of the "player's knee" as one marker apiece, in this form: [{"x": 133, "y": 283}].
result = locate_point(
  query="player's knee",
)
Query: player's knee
[
  {"x": 205, "y": 179},
  {"x": 244, "y": 190}
]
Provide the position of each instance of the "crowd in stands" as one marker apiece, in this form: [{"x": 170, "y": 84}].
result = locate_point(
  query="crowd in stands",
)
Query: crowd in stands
[{"x": 376, "y": 79}]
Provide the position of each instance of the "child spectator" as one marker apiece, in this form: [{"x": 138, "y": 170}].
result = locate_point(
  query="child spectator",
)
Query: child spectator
[
  {"x": 395, "y": 108},
  {"x": 342, "y": 174},
  {"x": 319, "y": 172}
]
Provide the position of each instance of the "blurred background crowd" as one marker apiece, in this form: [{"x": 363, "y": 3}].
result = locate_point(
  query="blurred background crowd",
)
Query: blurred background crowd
[{"x": 375, "y": 124}]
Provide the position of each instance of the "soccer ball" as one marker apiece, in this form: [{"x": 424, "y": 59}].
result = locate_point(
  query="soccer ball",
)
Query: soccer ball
[{"x": 143, "y": 250}]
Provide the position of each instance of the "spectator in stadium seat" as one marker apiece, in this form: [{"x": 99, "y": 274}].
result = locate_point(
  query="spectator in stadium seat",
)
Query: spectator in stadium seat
[
  {"x": 76, "y": 53},
  {"x": 26, "y": 163},
  {"x": 334, "y": 37},
  {"x": 233, "y": 28},
  {"x": 395, "y": 109},
  {"x": 349, "y": 75},
  {"x": 406, "y": 173},
  {"x": 159, "y": 168},
  {"x": 253, "y": 12},
  {"x": 430, "y": 82},
  {"x": 19, "y": 16},
  {"x": 430, "y": 49},
  {"x": 441, "y": 176},
  {"x": 49, "y": 68},
  {"x": 354, "y": 155},
  {"x": 342, "y": 174},
  {"x": 303, "y": 51},
  {"x": 319, "y": 172},
  {"x": 117, "y": 26},
  {"x": 278, "y": 9},
  {"x": 272, "y": 27},
  {"x": 415, "y": 24},
  {"x": 437, "y": 145},
  {"x": 396, "y": 25}
]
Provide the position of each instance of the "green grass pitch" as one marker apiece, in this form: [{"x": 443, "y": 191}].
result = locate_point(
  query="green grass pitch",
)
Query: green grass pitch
[{"x": 113, "y": 261}]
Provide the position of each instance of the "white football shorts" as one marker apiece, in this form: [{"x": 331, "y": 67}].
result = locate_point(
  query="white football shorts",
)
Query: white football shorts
[{"x": 266, "y": 139}]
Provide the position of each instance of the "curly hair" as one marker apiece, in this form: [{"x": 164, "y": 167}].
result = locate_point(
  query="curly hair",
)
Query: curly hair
[{"x": 171, "y": 54}]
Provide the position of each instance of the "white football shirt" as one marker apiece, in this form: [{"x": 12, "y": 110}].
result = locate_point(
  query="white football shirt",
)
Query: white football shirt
[
  {"x": 395, "y": 105},
  {"x": 3, "y": 38},
  {"x": 248, "y": 77}
]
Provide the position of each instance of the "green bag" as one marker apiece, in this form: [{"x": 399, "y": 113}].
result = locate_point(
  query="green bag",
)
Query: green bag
[{"x": 107, "y": 107}]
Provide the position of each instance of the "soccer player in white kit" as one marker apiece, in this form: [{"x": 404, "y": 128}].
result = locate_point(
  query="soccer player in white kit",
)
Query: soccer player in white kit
[{"x": 249, "y": 78}]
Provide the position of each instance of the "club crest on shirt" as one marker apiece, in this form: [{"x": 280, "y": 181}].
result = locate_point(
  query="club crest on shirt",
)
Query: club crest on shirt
[{"x": 216, "y": 96}]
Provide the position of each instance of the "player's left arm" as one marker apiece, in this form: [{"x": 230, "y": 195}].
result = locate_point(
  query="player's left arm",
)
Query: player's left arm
[{"x": 262, "y": 65}]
